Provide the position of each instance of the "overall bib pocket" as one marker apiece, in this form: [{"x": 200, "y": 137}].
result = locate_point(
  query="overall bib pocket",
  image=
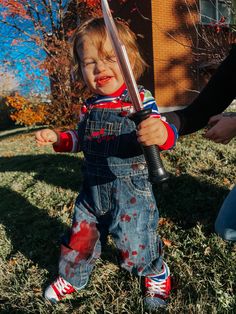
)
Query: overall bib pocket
[{"x": 101, "y": 138}]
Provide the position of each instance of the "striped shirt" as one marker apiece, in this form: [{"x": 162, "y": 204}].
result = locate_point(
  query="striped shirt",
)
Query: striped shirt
[{"x": 118, "y": 100}]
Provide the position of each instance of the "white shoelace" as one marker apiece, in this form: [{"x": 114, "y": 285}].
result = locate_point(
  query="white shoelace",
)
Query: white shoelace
[
  {"x": 155, "y": 287},
  {"x": 62, "y": 285}
]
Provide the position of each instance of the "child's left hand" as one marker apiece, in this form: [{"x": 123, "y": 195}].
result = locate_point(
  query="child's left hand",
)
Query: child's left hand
[{"x": 152, "y": 131}]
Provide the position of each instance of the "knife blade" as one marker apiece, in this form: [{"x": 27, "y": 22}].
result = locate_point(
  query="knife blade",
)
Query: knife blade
[{"x": 122, "y": 57}]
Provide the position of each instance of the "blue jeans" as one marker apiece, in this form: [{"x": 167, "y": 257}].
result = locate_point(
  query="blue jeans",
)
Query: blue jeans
[
  {"x": 225, "y": 224},
  {"x": 116, "y": 188}
]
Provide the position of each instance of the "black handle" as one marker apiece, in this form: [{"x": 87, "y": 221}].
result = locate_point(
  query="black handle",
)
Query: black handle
[{"x": 156, "y": 170}]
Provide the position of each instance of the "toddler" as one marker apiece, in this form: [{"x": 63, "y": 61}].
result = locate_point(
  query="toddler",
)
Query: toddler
[{"x": 115, "y": 186}]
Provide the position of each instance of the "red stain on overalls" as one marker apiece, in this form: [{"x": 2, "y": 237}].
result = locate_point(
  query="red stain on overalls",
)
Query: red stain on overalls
[
  {"x": 126, "y": 218},
  {"x": 134, "y": 166},
  {"x": 125, "y": 258},
  {"x": 124, "y": 255},
  {"x": 152, "y": 205},
  {"x": 142, "y": 246},
  {"x": 133, "y": 200},
  {"x": 83, "y": 242},
  {"x": 140, "y": 269}
]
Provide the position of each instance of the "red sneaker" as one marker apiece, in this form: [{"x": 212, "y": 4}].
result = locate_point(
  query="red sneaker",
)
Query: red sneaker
[
  {"x": 158, "y": 287},
  {"x": 58, "y": 290}
]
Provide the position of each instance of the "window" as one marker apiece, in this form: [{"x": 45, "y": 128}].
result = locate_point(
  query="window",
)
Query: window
[{"x": 215, "y": 11}]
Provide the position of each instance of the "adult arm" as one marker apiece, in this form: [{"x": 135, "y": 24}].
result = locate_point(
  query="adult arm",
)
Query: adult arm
[{"x": 212, "y": 100}]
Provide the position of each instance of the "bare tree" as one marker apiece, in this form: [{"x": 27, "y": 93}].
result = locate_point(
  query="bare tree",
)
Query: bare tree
[{"x": 44, "y": 26}]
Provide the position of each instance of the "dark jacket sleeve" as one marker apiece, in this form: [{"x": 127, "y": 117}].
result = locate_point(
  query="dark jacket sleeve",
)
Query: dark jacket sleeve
[{"x": 213, "y": 99}]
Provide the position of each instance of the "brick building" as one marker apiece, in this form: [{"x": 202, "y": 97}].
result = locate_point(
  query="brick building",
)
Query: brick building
[{"x": 170, "y": 34}]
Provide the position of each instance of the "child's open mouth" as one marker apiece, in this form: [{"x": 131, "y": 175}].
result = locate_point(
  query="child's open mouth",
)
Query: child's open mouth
[{"x": 103, "y": 80}]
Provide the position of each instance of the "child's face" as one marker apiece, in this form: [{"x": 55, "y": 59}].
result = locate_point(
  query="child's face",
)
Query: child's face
[{"x": 101, "y": 74}]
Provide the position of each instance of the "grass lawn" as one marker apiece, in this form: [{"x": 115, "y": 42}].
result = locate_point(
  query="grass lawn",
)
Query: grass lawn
[{"x": 37, "y": 192}]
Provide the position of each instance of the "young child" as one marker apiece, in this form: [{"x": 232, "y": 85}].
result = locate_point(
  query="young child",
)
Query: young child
[{"x": 116, "y": 186}]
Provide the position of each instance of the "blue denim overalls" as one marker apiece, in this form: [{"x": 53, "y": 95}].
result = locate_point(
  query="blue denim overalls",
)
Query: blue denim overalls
[{"x": 115, "y": 186}]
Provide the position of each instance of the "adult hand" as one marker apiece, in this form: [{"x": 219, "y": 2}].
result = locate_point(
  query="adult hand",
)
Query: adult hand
[
  {"x": 152, "y": 131},
  {"x": 222, "y": 129},
  {"x": 46, "y": 137}
]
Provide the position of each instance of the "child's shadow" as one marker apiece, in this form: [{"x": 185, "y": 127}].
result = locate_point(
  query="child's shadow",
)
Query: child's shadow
[
  {"x": 59, "y": 170},
  {"x": 30, "y": 230},
  {"x": 188, "y": 201}
]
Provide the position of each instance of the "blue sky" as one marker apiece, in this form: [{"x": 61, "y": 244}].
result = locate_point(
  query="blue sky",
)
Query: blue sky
[
  {"x": 18, "y": 58},
  {"x": 44, "y": 13},
  {"x": 11, "y": 57}
]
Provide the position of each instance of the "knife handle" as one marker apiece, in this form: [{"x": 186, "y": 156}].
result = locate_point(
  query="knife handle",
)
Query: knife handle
[{"x": 156, "y": 170}]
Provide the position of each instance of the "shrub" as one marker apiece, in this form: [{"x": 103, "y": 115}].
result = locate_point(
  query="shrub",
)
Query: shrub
[{"x": 24, "y": 112}]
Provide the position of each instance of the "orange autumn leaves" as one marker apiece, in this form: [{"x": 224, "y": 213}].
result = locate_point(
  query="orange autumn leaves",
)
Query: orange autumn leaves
[
  {"x": 14, "y": 8},
  {"x": 24, "y": 112}
]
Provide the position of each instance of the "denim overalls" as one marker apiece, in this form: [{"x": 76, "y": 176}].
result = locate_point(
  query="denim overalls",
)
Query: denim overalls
[{"x": 116, "y": 190}]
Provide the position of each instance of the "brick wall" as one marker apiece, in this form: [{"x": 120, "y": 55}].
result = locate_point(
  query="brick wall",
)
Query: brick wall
[
  {"x": 167, "y": 34},
  {"x": 174, "y": 35},
  {"x": 138, "y": 16}
]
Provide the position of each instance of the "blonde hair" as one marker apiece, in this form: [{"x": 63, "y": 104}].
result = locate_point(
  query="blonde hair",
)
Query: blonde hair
[{"x": 95, "y": 28}]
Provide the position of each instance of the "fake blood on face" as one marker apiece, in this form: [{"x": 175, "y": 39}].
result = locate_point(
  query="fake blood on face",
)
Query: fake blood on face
[{"x": 103, "y": 80}]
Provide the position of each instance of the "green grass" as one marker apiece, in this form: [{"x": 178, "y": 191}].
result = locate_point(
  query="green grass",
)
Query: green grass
[{"x": 37, "y": 192}]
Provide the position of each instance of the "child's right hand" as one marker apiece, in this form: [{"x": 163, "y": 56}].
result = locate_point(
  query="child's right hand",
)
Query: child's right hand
[
  {"x": 152, "y": 131},
  {"x": 46, "y": 137}
]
